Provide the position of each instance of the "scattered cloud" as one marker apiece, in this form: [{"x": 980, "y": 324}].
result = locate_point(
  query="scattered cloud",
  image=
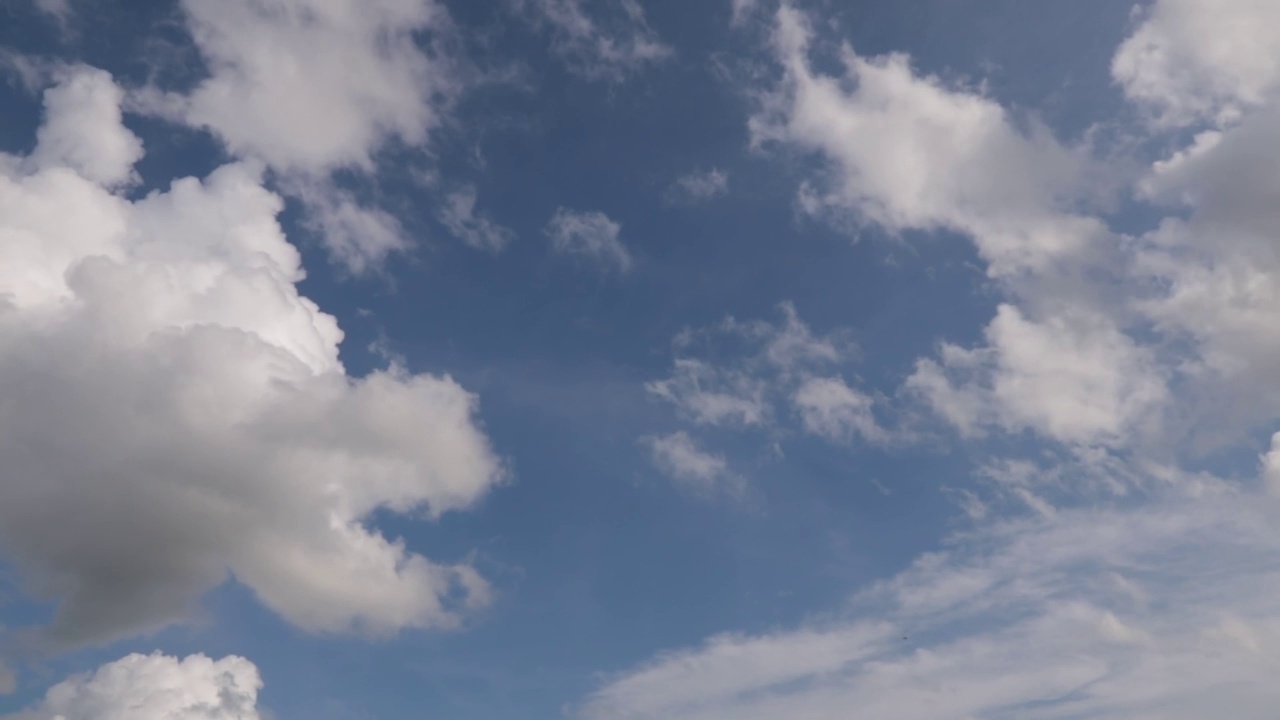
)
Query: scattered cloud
[
  {"x": 155, "y": 687},
  {"x": 168, "y": 387},
  {"x": 311, "y": 87},
  {"x": 590, "y": 236},
  {"x": 458, "y": 214},
  {"x": 766, "y": 365},
  {"x": 829, "y": 408},
  {"x": 1059, "y": 601},
  {"x": 907, "y": 152},
  {"x": 1043, "y": 617},
  {"x": 607, "y": 46},
  {"x": 678, "y": 456},
  {"x": 699, "y": 186}
]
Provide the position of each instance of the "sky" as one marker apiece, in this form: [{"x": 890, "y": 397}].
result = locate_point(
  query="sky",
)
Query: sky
[{"x": 639, "y": 360}]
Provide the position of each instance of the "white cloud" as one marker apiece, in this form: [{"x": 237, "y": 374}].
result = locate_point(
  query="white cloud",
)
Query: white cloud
[
  {"x": 458, "y": 214},
  {"x": 1201, "y": 60},
  {"x": 831, "y": 409},
  {"x": 589, "y": 235},
  {"x": 906, "y": 152},
  {"x": 315, "y": 85},
  {"x": 700, "y": 186},
  {"x": 83, "y": 129},
  {"x": 599, "y": 48},
  {"x": 1073, "y": 377},
  {"x": 310, "y": 87},
  {"x": 168, "y": 388},
  {"x": 1047, "y": 617},
  {"x": 155, "y": 687},
  {"x": 704, "y": 473},
  {"x": 8, "y": 680}
]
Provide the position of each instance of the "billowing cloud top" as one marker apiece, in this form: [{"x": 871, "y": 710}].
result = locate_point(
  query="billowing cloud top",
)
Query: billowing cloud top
[{"x": 167, "y": 386}]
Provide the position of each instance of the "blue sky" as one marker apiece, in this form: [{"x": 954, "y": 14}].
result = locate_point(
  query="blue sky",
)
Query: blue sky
[{"x": 623, "y": 360}]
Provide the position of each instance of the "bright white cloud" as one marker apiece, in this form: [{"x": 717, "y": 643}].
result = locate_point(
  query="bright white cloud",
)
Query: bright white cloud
[
  {"x": 83, "y": 129},
  {"x": 678, "y": 456},
  {"x": 906, "y": 152},
  {"x": 1201, "y": 60},
  {"x": 459, "y": 215},
  {"x": 699, "y": 186},
  {"x": 168, "y": 388},
  {"x": 1073, "y": 377},
  {"x": 590, "y": 236},
  {"x": 829, "y": 408},
  {"x": 310, "y": 87},
  {"x": 155, "y": 687},
  {"x": 600, "y": 47},
  {"x": 313, "y": 85}
]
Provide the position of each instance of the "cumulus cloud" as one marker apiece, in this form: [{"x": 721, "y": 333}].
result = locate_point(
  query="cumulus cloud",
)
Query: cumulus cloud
[
  {"x": 315, "y": 85},
  {"x": 589, "y": 236},
  {"x": 679, "y": 457},
  {"x": 459, "y": 215},
  {"x": 310, "y": 87},
  {"x": 83, "y": 129},
  {"x": 155, "y": 687},
  {"x": 1073, "y": 378},
  {"x": 829, "y": 408},
  {"x": 607, "y": 46},
  {"x": 1194, "y": 61},
  {"x": 167, "y": 387},
  {"x": 699, "y": 186},
  {"x": 907, "y": 152}
]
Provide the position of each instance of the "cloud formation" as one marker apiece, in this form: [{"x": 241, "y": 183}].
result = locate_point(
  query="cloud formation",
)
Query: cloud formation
[
  {"x": 312, "y": 87},
  {"x": 459, "y": 215},
  {"x": 590, "y": 236},
  {"x": 703, "y": 473},
  {"x": 1101, "y": 578},
  {"x": 166, "y": 385},
  {"x": 155, "y": 687},
  {"x": 607, "y": 46}
]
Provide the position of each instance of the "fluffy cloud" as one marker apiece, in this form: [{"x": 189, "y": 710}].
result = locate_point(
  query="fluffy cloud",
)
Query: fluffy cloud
[
  {"x": 590, "y": 236},
  {"x": 310, "y": 87},
  {"x": 83, "y": 129},
  {"x": 155, "y": 687},
  {"x": 831, "y": 409},
  {"x": 679, "y": 457},
  {"x": 165, "y": 385},
  {"x": 906, "y": 152},
  {"x": 1073, "y": 377},
  {"x": 317, "y": 84},
  {"x": 1201, "y": 60},
  {"x": 459, "y": 215},
  {"x": 600, "y": 48}
]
